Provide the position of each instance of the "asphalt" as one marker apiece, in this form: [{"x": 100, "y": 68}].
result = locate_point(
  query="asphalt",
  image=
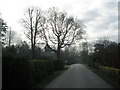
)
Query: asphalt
[{"x": 78, "y": 76}]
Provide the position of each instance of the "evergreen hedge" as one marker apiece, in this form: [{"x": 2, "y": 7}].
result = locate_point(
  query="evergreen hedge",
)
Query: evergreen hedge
[
  {"x": 16, "y": 72},
  {"x": 59, "y": 64},
  {"x": 41, "y": 69},
  {"x": 21, "y": 73}
]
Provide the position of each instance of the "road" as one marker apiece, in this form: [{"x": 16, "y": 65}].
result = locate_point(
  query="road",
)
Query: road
[{"x": 78, "y": 76}]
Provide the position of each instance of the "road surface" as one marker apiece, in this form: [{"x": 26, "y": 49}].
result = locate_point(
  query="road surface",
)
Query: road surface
[{"x": 78, "y": 76}]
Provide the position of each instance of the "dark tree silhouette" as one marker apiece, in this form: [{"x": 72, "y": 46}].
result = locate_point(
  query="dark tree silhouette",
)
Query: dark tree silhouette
[
  {"x": 84, "y": 52},
  {"x": 23, "y": 47},
  {"x": 10, "y": 37},
  {"x": 62, "y": 30},
  {"x": 32, "y": 23},
  {"x": 106, "y": 53}
]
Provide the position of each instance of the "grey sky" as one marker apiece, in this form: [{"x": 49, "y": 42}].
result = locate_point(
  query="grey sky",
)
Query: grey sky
[{"x": 100, "y": 16}]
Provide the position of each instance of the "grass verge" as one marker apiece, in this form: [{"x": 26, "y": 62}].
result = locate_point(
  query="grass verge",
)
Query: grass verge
[{"x": 111, "y": 80}]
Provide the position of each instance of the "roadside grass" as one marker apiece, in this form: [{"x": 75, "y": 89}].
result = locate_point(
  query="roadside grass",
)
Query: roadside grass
[
  {"x": 46, "y": 81},
  {"x": 104, "y": 73}
]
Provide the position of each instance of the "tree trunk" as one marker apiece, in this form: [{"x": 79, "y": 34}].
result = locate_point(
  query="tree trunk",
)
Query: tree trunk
[
  {"x": 32, "y": 51},
  {"x": 34, "y": 39},
  {"x": 9, "y": 42},
  {"x": 58, "y": 55},
  {"x": 33, "y": 48},
  {"x": 58, "y": 48},
  {"x": 9, "y": 38}
]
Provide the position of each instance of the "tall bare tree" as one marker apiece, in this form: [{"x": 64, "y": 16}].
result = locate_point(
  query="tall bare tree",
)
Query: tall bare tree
[
  {"x": 32, "y": 23},
  {"x": 62, "y": 30},
  {"x": 10, "y": 36}
]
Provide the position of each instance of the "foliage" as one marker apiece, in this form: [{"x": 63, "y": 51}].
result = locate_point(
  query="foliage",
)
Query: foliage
[
  {"x": 21, "y": 50},
  {"x": 23, "y": 47},
  {"x": 41, "y": 69},
  {"x": 113, "y": 73},
  {"x": 84, "y": 56},
  {"x": 70, "y": 55},
  {"x": 21, "y": 73},
  {"x": 92, "y": 60},
  {"x": 111, "y": 70},
  {"x": 16, "y": 72},
  {"x": 59, "y": 64},
  {"x": 105, "y": 53},
  {"x": 9, "y": 51}
]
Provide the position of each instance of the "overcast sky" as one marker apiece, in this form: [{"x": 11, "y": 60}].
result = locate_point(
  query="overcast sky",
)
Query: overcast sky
[{"x": 100, "y": 16}]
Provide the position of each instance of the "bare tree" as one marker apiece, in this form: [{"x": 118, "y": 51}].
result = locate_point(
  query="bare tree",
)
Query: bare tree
[
  {"x": 62, "y": 30},
  {"x": 10, "y": 36},
  {"x": 32, "y": 23}
]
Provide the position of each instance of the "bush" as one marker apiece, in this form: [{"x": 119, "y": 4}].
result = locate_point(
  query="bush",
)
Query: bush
[
  {"x": 91, "y": 63},
  {"x": 59, "y": 64},
  {"x": 16, "y": 72},
  {"x": 41, "y": 69},
  {"x": 21, "y": 73},
  {"x": 112, "y": 72}
]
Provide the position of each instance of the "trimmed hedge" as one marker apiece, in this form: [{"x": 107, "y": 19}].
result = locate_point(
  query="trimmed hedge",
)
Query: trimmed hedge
[
  {"x": 41, "y": 69},
  {"x": 21, "y": 73},
  {"x": 59, "y": 64},
  {"x": 16, "y": 72}
]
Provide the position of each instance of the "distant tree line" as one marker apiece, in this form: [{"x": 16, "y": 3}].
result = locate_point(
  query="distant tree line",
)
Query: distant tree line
[{"x": 106, "y": 53}]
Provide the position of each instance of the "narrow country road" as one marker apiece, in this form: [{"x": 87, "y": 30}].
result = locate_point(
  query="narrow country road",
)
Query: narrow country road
[{"x": 78, "y": 76}]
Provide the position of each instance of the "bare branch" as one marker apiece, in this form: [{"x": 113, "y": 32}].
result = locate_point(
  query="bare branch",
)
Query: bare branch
[
  {"x": 33, "y": 23},
  {"x": 66, "y": 30},
  {"x": 50, "y": 47}
]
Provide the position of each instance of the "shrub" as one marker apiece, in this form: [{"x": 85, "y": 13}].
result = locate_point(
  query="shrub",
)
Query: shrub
[
  {"x": 113, "y": 72},
  {"x": 16, "y": 72},
  {"x": 59, "y": 64},
  {"x": 41, "y": 69},
  {"x": 21, "y": 73}
]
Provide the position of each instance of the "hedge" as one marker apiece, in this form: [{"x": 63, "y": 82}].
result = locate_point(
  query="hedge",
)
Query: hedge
[
  {"x": 59, "y": 64},
  {"x": 21, "y": 73},
  {"x": 41, "y": 69},
  {"x": 16, "y": 72},
  {"x": 113, "y": 72}
]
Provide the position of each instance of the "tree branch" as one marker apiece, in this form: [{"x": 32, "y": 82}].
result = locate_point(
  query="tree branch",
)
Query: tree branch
[{"x": 50, "y": 47}]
